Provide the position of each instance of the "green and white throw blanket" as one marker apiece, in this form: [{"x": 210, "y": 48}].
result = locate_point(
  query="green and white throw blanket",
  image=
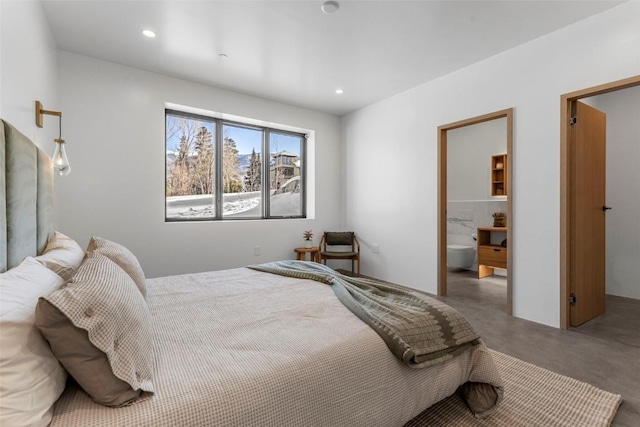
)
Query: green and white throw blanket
[{"x": 419, "y": 330}]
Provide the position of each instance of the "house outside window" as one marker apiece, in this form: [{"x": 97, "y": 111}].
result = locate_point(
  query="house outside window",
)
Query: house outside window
[
  {"x": 216, "y": 170},
  {"x": 284, "y": 166}
]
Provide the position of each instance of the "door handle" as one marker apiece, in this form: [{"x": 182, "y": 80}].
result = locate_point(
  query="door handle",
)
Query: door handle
[{"x": 606, "y": 208}]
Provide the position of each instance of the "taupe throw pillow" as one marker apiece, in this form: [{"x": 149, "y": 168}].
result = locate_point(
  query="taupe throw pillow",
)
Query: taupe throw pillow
[
  {"x": 62, "y": 255},
  {"x": 99, "y": 328},
  {"x": 121, "y": 256}
]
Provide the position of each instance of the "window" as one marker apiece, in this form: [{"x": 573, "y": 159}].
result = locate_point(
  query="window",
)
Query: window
[{"x": 217, "y": 169}]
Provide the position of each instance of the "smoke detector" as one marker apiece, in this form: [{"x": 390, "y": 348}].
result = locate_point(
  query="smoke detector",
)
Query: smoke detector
[{"x": 330, "y": 6}]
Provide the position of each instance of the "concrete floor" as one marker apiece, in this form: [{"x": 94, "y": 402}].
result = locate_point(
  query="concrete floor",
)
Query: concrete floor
[{"x": 604, "y": 352}]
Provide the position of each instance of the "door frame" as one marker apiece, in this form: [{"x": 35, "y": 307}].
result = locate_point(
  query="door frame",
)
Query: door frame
[
  {"x": 566, "y": 157},
  {"x": 442, "y": 197}
]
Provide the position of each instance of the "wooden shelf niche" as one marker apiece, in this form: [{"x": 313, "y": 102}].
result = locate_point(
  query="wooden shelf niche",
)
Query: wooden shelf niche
[{"x": 499, "y": 184}]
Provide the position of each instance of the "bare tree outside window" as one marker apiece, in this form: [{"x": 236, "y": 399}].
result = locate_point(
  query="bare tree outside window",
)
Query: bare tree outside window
[
  {"x": 231, "y": 178},
  {"x": 190, "y": 160}
]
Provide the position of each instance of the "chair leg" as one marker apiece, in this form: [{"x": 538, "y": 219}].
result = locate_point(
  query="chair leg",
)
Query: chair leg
[
  {"x": 358, "y": 266},
  {"x": 352, "y": 266}
]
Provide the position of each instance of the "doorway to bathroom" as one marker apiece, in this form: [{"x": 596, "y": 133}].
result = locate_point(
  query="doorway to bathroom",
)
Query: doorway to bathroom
[{"x": 475, "y": 186}]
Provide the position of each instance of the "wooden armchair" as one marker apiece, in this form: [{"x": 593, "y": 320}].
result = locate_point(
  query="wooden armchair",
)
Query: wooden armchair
[{"x": 332, "y": 241}]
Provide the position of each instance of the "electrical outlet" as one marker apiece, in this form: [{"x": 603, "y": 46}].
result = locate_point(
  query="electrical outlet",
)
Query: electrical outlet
[
  {"x": 256, "y": 251},
  {"x": 375, "y": 248}
]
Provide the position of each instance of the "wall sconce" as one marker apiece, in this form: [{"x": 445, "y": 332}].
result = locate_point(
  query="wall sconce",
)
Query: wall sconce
[{"x": 60, "y": 160}]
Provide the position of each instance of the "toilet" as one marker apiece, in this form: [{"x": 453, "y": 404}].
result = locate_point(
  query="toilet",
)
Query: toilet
[{"x": 460, "y": 256}]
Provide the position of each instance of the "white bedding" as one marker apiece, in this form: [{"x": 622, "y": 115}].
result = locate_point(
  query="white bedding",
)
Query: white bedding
[{"x": 245, "y": 348}]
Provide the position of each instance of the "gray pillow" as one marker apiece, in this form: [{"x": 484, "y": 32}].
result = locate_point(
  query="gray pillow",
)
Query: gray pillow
[
  {"x": 121, "y": 256},
  {"x": 98, "y": 326}
]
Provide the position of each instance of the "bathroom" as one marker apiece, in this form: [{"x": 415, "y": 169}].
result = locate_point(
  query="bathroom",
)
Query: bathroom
[{"x": 476, "y": 190}]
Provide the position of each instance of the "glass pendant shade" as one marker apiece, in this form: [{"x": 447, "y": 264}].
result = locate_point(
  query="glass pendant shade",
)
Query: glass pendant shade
[{"x": 60, "y": 161}]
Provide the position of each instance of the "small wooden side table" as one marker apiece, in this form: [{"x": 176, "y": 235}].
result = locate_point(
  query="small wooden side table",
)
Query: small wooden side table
[{"x": 314, "y": 253}]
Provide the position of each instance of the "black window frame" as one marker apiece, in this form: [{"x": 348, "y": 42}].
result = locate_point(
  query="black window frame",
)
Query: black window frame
[{"x": 218, "y": 170}]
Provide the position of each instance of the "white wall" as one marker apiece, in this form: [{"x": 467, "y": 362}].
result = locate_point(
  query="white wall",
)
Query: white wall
[
  {"x": 115, "y": 143},
  {"x": 398, "y": 136},
  {"x": 623, "y": 189},
  {"x": 28, "y": 70},
  {"x": 469, "y": 151}
]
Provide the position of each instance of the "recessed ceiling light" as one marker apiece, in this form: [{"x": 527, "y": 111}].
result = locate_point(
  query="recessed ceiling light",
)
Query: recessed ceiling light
[
  {"x": 149, "y": 33},
  {"x": 223, "y": 55},
  {"x": 330, "y": 6},
  {"x": 339, "y": 91}
]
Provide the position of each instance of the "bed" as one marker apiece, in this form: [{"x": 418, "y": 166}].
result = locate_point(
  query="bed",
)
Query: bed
[{"x": 240, "y": 347}]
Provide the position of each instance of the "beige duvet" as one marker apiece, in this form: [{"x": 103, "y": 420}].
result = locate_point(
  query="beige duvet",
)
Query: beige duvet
[{"x": 229, "y": 352}]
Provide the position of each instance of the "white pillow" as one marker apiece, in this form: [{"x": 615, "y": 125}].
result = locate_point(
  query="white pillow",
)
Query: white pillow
[
  {"x": 62, "y": 255},
  {"x": 32, "y": 379}
]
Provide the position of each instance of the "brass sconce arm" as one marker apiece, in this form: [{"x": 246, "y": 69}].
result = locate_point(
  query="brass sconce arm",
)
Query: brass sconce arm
[{"x": 40, "y": 112}]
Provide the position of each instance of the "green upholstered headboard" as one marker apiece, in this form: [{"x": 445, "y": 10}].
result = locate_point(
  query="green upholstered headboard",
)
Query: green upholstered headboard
[{"x": 26, "y": 198}]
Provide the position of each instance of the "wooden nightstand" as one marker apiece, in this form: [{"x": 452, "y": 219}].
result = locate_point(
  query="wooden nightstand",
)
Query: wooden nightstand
[{"x": 314, "y": 253}]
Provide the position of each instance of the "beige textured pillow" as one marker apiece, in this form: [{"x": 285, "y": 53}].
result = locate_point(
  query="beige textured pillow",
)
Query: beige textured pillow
[
  {"x": 32, "y": 378},
  {"x": 121, "y": 256},
  {"x": 99, "y": 328},
  {"x": 62, "y": 255}
]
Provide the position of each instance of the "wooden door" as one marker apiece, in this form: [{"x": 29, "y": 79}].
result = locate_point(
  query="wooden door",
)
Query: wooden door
[{"x": 587, "y": 224}]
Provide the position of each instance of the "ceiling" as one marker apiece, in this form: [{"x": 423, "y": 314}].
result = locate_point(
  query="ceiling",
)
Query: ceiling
[{"x": 290, "y": 51}]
